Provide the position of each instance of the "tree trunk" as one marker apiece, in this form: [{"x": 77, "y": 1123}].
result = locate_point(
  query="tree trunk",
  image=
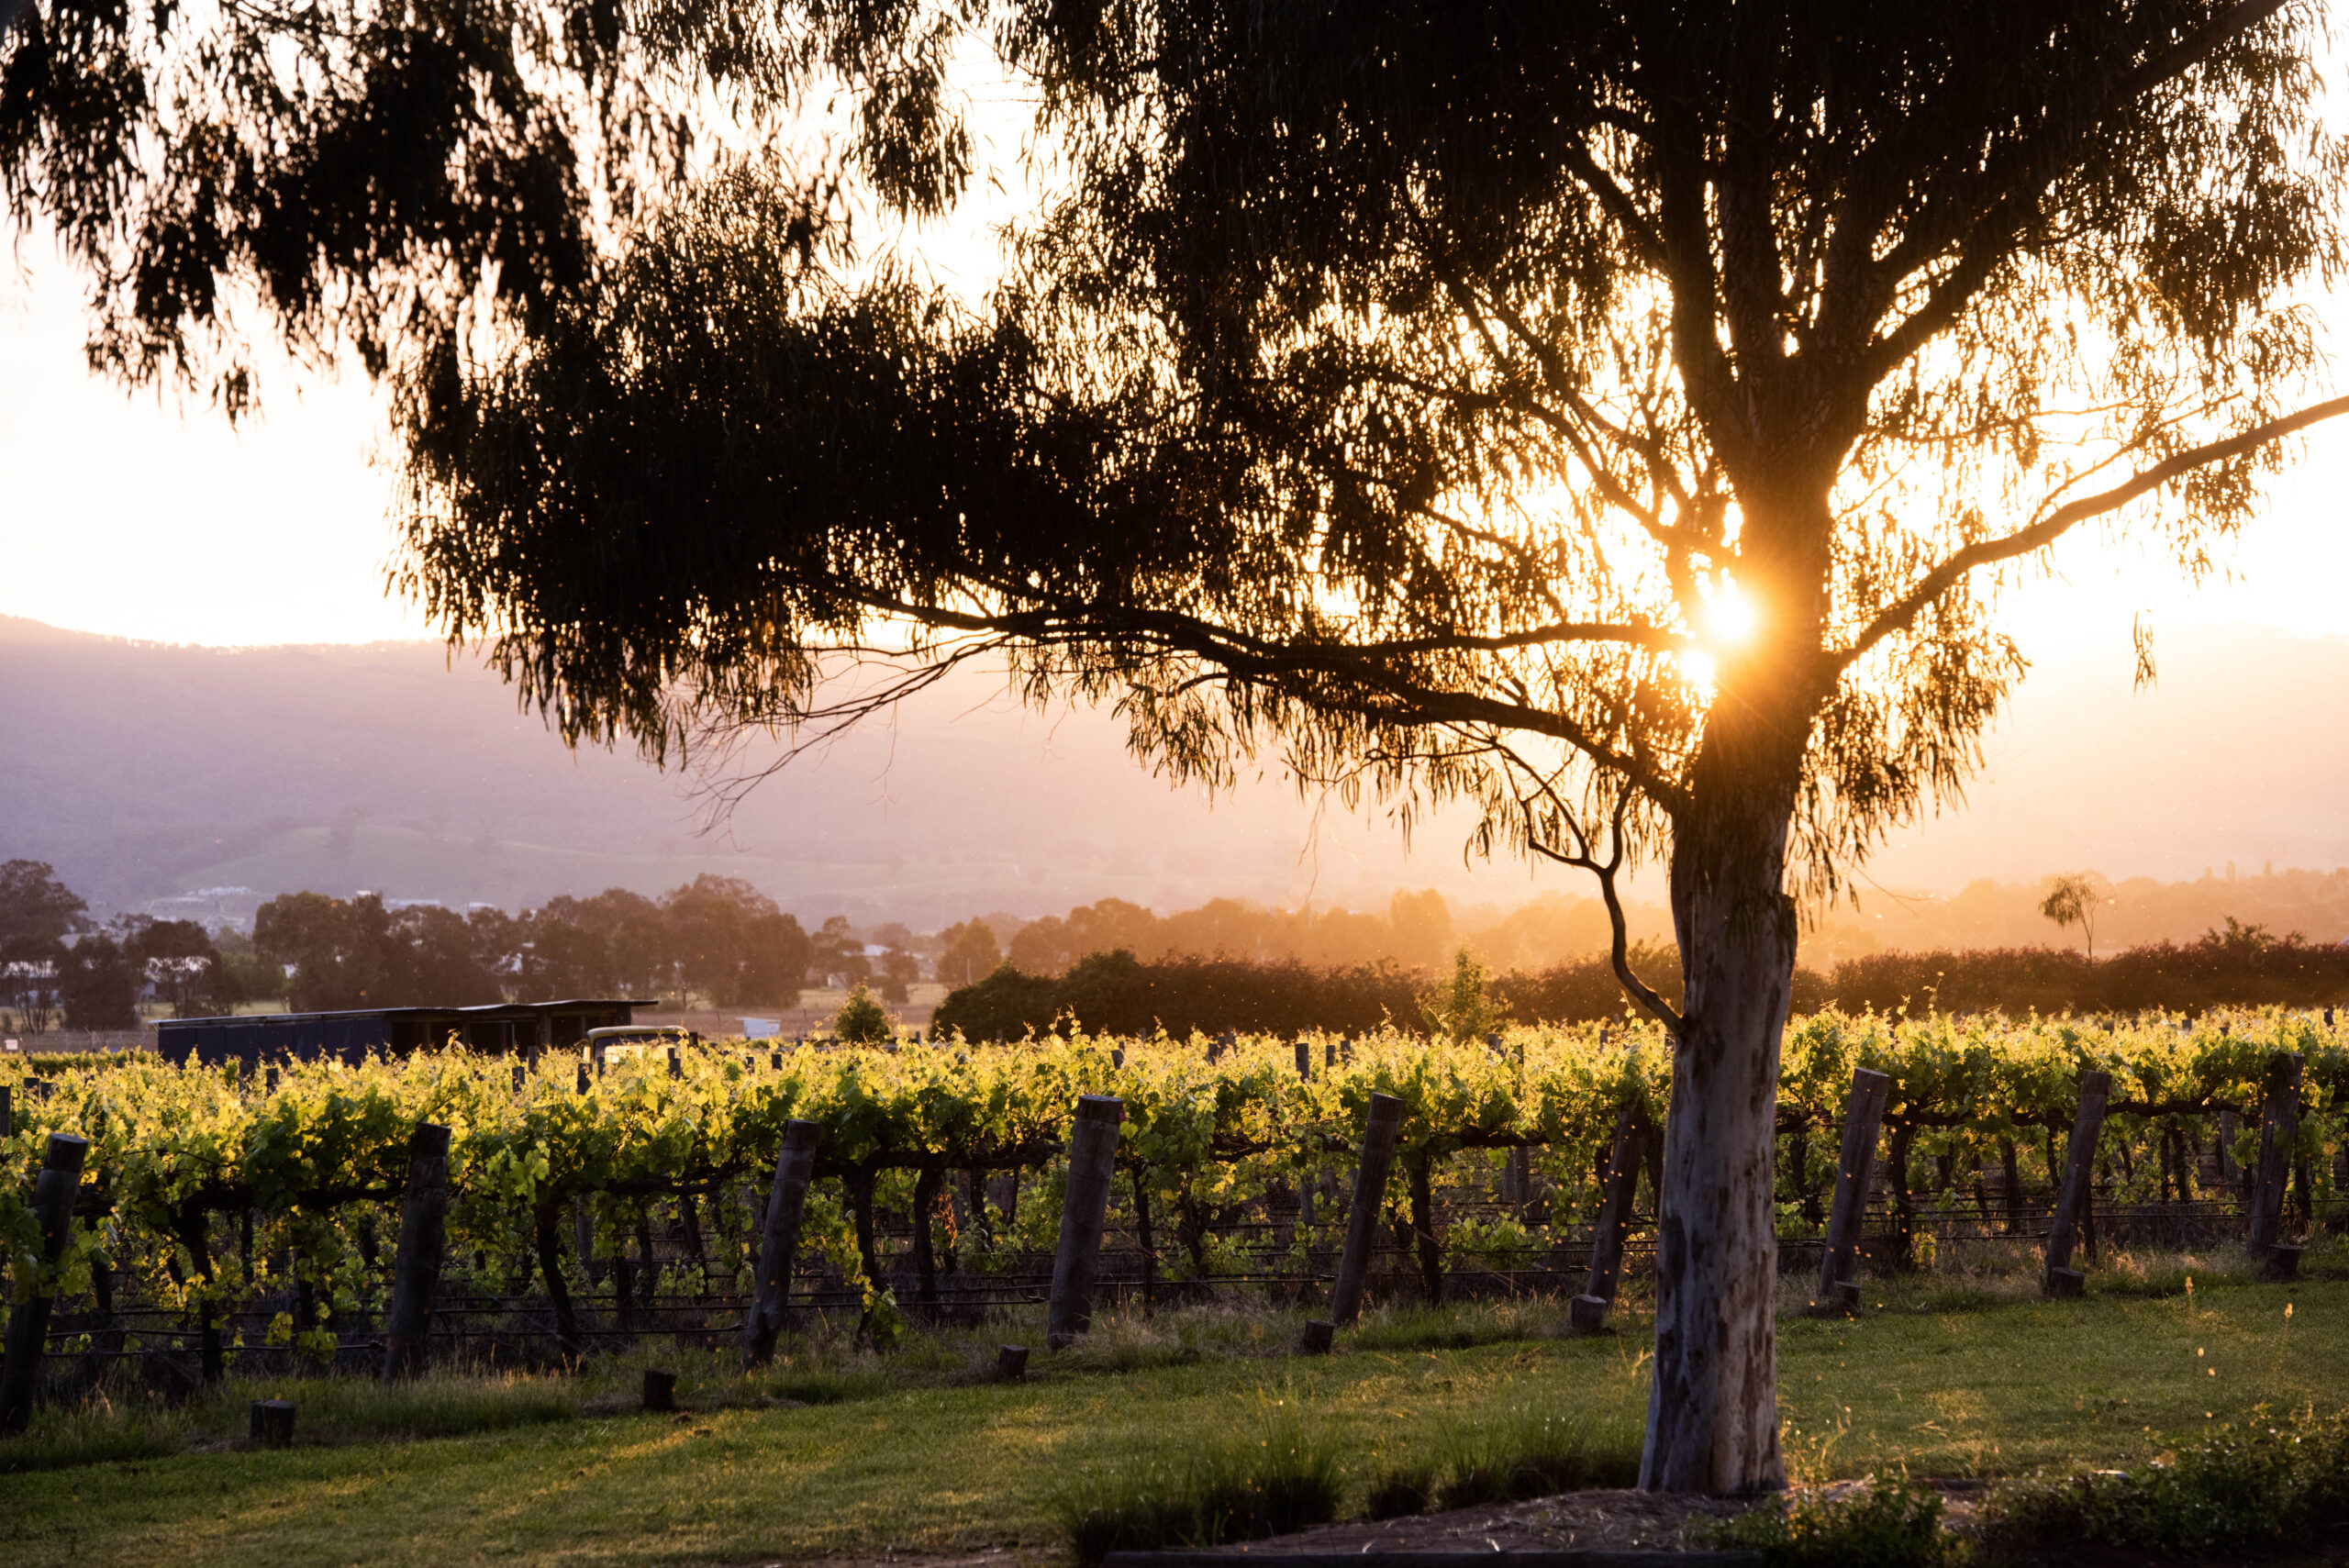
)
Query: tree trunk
[
  {"x": 1713, "y": 1408},
  {"x": 2014, "y": 1185},
  {"x": 926, "y": 1187},
  {"x": 1904, "y": 1202},
  {"x": 1148, "y": 1241},
  {"x": 195, "y": 1235},
  {"x": 859, "y": 1181},
  {"x": 547, "y": 1233},
  {"x": 1423, "y": 1227}
]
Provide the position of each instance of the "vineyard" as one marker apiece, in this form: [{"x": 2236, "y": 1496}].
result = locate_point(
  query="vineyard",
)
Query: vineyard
[{"x": 223, "y": 1218}]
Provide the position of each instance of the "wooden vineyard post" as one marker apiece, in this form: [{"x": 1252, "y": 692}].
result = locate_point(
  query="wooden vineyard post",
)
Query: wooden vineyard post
[
  {"x": 2079, "y": 1172},
  {"x": 416, "y": 1268},
  {"x": 270, "y": 1423},
  {"x": 54, "y": 1194},
  {"x": 1303, "y": 1060},
  {"x": 1587, "y": 1313},
  {"x": 1863, "y": 1114},
  {"x": 1092, "y": 1165},
  {"x": 779, "y": 1242},
  {"x": 2279, "y": 1127},
  {"x": 1379, "y": 1126}
]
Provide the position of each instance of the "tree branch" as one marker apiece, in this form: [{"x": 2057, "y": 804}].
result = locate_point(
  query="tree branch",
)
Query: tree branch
[
  {"x": 1902, "y": 613},
  {"x": 1383, "y": 696},
  {"x": 1619, "y": 952},
  {"x": 2015, "y": 191},
  {"x": 1645, "y": 245}
]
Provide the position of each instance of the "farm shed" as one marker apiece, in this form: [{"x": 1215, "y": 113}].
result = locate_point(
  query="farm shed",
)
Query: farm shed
[{"x": 524, "y": 1027}]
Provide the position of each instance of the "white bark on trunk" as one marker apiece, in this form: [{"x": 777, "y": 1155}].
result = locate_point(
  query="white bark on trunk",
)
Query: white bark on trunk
[{"x": 1713, "y": 1411}]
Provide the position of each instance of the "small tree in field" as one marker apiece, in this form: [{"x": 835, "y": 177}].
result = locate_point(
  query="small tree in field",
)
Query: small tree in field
[
  {"x": 2076, "y": 899},
  {"x": 863, "y": 1020},
  {"x": 1620, "y": 417}
]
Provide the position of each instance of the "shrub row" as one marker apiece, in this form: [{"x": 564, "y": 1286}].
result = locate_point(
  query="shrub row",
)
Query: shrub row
[
  {"x": 1116, "y": 994},
  {"x": 1113, "y": 992}
]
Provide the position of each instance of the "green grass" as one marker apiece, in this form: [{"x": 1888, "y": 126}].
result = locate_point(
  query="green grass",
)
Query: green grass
[
  {"x": 842, "y": 1453},
  {"x": 2003, "y": 1387},
  {"x": 1537, "y": 1448},
  {"x": 1273, "y": 1475}
]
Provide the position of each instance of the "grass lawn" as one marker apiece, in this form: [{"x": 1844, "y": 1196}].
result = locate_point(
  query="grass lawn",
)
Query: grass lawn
[{"x": 914, "y": 1453}]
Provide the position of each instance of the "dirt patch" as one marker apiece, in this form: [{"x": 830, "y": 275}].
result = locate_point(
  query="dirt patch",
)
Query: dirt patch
[
  {"x": 1588, "y": 1520},
  {"x": 978, "y": 1557}
]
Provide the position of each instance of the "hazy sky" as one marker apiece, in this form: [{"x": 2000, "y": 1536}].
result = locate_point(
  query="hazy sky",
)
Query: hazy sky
[{"x": 144, "y": 516}]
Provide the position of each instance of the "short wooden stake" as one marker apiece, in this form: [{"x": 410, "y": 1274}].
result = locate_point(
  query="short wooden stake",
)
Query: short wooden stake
[
  {"x": 2079, "y": 1172},
  {"x": 795, "y": 1164},
  {"x": 1011, "y": 1362},
  {"x": 1092, "y": 1165},
  {"x": 1319, "y": 1334},
  {"x": 2279, "y": 1127},
  {"x": 53, "y": 1194},
  {"x": 1863, "y": 1116},
  {"x": 2282, "y": 1263},
  {"x": 271, "y": 1423},
  {"x": 1587, "y": 1315},
  {"x": 1381, "y": 1123},
  {"x": 416, "y": 1268},
  {"x": 660, "y": 1389},
  {"x": 1303, "y": 1060}
]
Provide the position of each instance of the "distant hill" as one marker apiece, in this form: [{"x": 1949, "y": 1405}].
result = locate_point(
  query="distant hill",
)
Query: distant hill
[{"x": 142, "y": 771}]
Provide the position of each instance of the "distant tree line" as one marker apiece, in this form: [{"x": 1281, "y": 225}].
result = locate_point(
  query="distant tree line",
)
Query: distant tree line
[
  {"x": 717, "y": 941},
  {"x": 1116, "y": 993},
  {"x": 1413, "y": 931},
  {"x": 2244, "y": 965},
  {"x": 1111, "y": 966},
  {"x": 60, "y": 967}
]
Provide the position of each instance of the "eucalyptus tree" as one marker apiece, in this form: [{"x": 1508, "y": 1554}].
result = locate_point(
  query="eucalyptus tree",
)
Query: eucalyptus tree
[{"x": 1622, "y": 417}]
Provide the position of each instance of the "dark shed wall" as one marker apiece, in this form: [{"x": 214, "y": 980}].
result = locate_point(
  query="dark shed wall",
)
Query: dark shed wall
[{"x": 349, "y": 1036}]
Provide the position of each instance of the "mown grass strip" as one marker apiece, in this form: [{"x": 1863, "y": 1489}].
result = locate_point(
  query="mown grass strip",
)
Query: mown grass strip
[{"x": 2003, "y": 1387}]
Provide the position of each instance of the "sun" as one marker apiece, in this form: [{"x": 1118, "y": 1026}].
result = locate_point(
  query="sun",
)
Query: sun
[{"x": 1731, "y": 617}]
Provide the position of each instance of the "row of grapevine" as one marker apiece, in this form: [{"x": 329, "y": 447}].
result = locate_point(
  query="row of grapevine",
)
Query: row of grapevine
[{"x": 203, "y": 1187}]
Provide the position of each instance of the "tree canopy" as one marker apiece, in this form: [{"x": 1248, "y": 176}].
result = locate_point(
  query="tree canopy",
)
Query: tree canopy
[{"x": 1473, "y": 400}]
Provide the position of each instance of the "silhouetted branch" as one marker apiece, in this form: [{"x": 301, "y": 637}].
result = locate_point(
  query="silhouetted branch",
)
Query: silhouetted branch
[{"x": 1903, "y": 613}]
